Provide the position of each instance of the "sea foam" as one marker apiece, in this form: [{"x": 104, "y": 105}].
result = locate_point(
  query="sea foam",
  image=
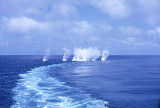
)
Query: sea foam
[{"x": 36, "y": 89}]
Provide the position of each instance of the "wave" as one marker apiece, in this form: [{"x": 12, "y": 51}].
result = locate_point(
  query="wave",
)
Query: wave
[{"x": 37, "y": 89}]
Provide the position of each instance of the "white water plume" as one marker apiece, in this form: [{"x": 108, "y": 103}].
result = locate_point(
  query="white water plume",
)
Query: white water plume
[
  {"x": 46, "y": 55},
  {"x": 66, "y": 54},
  {"x": 105, "y": 54},
  {"x": 86, "y": 54}
]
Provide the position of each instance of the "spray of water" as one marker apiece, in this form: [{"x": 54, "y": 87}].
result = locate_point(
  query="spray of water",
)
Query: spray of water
[
  {"x": 46, "y": 55},
  {"x": 105, "y": 54},
  {"x": 86, "y": 54},
  {"x": 66, "y": 54},
  {"x": 81, "y": 54}
]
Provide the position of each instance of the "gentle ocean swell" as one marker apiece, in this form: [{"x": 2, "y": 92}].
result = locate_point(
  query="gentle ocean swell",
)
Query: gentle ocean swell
[{"x": 36, "y": 89}]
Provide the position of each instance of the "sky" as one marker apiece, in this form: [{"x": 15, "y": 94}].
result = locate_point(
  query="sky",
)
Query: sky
[{"x": 124, "y": 27}]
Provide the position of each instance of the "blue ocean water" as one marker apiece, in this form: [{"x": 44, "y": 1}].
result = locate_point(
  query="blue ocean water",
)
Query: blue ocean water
[{"x": 119, "y": 82}]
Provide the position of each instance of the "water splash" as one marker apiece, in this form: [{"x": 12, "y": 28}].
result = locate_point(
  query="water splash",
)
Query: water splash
[
  {"x": 105, "y": 54},
  {"x": 46, "y": 55},
  {"x": 86, "y": 54},
  {"x": 66, "y": 54}
]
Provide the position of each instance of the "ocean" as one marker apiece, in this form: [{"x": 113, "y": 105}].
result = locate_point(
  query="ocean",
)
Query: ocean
[{"x": 119, "y": 82}]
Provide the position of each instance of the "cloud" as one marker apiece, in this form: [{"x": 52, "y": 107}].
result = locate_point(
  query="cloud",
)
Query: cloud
[
  {"x": 106, "y": 28},
  {"x": 149, "y": 11},
  {"x": 25, "y": 25},
  {"x": 61, "y": 11},
  {"x": 130, "y": 31},
  {"x": 115, "y": 8},
  {"x": 82, "y": 27},
  {"x": 158, "y": 30},
  {"x": 66, "y": 10},
  {"x": 151, "y": 32},
  {"x": 4, "y": 44},
  {"x": 154, "y": 32},
  {"x": 95, "y": 39},
  {"x": 132, "y": 42}
]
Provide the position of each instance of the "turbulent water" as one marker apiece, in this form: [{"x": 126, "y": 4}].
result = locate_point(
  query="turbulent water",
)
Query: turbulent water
[{"x": 119, "y": 82}]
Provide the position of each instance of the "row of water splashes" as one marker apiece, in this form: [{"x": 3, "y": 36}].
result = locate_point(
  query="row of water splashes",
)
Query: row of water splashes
[{"x": 82, "y": 54}]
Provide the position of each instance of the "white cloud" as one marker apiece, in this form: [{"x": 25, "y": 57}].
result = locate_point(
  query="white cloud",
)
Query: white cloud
[
  {"x": 32, "y": 11},
  {"x": 149, "y": 10},
  {"x": 130, "y": 31},
  {"x": 106, "y": 28},
  {"x": 143, "y": 43},
  {"x": 154, "y": 32},
  {"x": 66, "y": 10},
  {"x": 24, "y": 25},
  {"x": 158, "y": 30},
  {"x": 62, "y": 10},
  {"x": 94, "y": 39},
  {"x": 4, "y": 44},
  {"x": 55, "y": 23},
  {"x": 82, "y": 27},
  {"x": 151, "y": 32},
  {"x": 115, "y": 8},
  {"x": 133, "y": 42}
]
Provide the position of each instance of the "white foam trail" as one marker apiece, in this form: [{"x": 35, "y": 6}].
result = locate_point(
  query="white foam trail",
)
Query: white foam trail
[
  {"x": 86, "y": 54},
  {"x": 66, "y": 54},
  {"x": 37, "y": 89},
  {"x": 105, "y": 54},
  {"x": 46, "y": 55}
]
